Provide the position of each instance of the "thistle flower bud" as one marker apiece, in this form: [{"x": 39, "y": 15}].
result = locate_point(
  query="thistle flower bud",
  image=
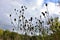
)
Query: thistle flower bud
[
  {"x": 10, "y": 15},
  {"x": 59, "y": 26},
  {"x": 43, "y": 14},
  {"x": 13, "y": 29},
  {"x": 31, "y": 32},
  {"x": 51, "y": 19},
  {"x": 45, "y": 11},
  {"x": 14, "y": 19},
  {"x": 21, "y": 6},
  {"x": 25, "y": 7},
  {"x": 14, "y": 9},
  {"x": 22, "y": 9},
  {"x": 20, "y": 28},
  {"x": 30, "y": 19},
  {"x": 46, "y": 4}
]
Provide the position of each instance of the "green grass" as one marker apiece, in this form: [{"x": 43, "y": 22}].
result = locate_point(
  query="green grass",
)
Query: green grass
[{"x": 7, "y": 35}]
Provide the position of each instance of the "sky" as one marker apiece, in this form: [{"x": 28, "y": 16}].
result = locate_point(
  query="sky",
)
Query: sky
[{"x": 35, "y": 7}]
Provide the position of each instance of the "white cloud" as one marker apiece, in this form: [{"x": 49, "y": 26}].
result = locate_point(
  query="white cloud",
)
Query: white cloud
[
  {"x": 52, "y": 8},
  {"x": 39, "y": 2}
]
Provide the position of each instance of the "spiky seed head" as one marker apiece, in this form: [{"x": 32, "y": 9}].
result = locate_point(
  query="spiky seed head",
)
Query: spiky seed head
[
  {"x": 11, "y": 22},
  {"x": 26, "y": 21},
  {"x": 59, "y": 27},
  {"x": 20, "y": 24},
  {"x": 20, "y": 28},
  {"x": 40, "y": 16},
  {"x": 14, "y": 19},
  {"x": 51, "y": 19},
  {"x": 25, "y": 7},
  {"x": 30, "y": 19},
  {"x": 45, "y": 11},
  {"x": 46, "y": 4},
  {"x": 21, "y": 6},
  {"x": 36, "y": 22},
  {"x": 42, "y": 21},
  {"x": 10, "y": 15},
  {"x": 17, "y": 10},
  {"x": 20, "y": 20},
  {"x": 22, "y": 9},
  {"x": 14, "y": 9},
  {"x": 43, "y": 14},
  {"x": 39, "y": 21},
  {"x": 13, "y": 29},
  {"x": 31, "y": 32},
  {"x": 19, "y": 16},
  {"x": 22, "y": 16},
  {"x": 32, "y": 28},
  {"x": 22, "y": 12}
]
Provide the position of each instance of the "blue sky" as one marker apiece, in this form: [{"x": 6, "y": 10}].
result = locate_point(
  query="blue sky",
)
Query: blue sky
[{"x": 7, "y": 6}]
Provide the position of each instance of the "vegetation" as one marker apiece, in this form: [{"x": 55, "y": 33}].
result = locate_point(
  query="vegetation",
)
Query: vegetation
[
  {"x": 7, "y": 35},
  {"x": 26, "y": 26},
  {"x": 20, "y": 23}
]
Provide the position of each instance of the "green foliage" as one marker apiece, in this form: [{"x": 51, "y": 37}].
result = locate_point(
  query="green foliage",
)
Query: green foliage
[
  {"x": 1, "y": 33},
  {"x": 55, "y": 24},
  {"x": 7, "y": 35},
  {"x": 14, "y": 36}
]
